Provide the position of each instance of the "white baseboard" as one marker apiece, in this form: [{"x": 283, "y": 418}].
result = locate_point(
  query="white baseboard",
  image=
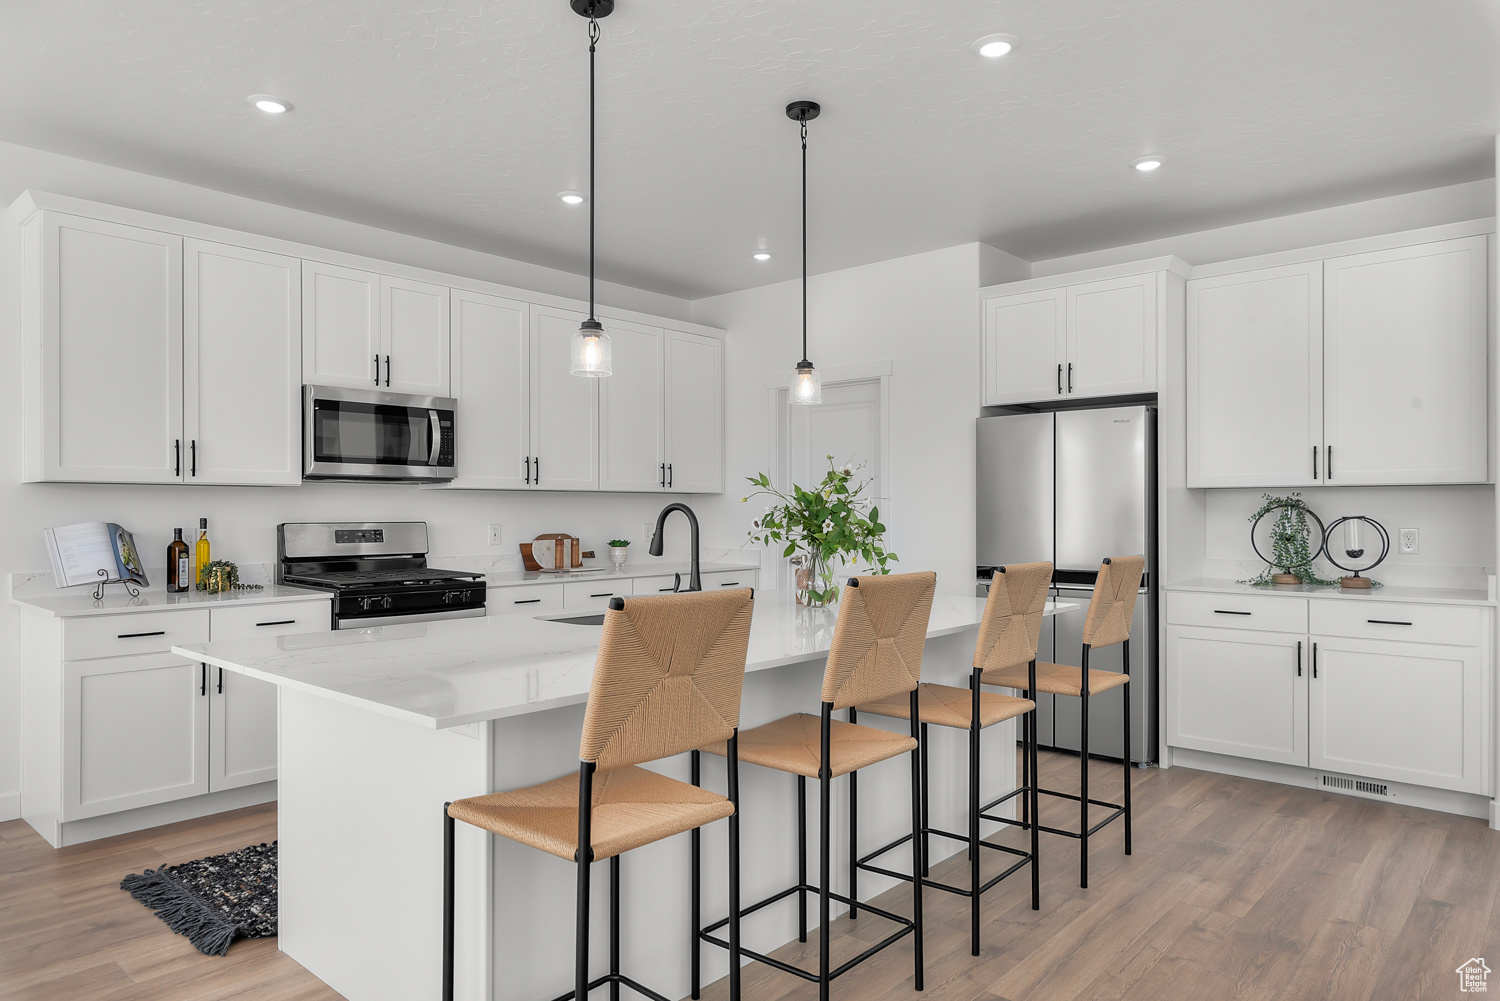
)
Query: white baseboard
[{"x": 10, "y": 806}]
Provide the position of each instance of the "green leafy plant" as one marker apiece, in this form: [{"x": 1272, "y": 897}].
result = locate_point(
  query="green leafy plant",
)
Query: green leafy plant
[
  {"x": 819, "y": 527},
  {"x": 222, "y": 575},
  {"x": 1290, "y": 534},
  {"x": 619, "y": 543}
]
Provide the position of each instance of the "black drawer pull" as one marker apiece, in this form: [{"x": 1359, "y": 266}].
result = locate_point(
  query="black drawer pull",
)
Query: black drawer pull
[
  {"x": 606, "y": 594},
  {"x": 1387, "y": 622},
  {"x": 666, "y": 589},
  {"x": 278, "y": 622},
  {"x": 131, "y": 636},
  {"x": 1222, "y": 611},
  {"x": 528, "y": 601},
  {"x": 1299, "y": 658},
  {"x": 730, "y": 583}
]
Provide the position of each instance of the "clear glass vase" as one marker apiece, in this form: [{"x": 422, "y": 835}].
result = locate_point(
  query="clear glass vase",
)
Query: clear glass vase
[{"x": 815, "y": 587}]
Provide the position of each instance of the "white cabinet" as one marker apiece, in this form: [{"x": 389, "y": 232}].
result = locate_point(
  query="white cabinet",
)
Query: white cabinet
[
  {"x": 101, "y": 351},
  {"x": 564, "y": 407},
  {"x": 694, "y": 413},
  {"x": 1405, "y": 365},
  {"x": 631, "y": 413},
  {"x": 1255, "y": 378},
  {"x": 242, "y": 365},
  {"x": 135, "y": 733},
  {"x": 491, "y": 379},
  {"x": 1366, "y": 369},
  {"x": 1072, "y": 341},
  {"x": 593, "y": 595},
  {"x": 1237, "y": 691},
  {"x": 363, "y": 330}
]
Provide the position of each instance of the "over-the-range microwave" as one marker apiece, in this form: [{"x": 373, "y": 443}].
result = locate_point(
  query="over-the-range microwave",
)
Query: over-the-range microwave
[{"x": 361, "y": 434}]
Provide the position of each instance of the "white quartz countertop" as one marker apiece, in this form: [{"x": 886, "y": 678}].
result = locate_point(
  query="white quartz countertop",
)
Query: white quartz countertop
[
  {"x": 1417, "y": 595},
  {"x": 510, "y": 578},
  {"x": 461, "y": 671},
  {"x": 79, "y": 601}
]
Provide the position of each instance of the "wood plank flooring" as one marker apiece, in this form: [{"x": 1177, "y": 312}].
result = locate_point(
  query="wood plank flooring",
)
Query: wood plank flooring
[{"x": 1237, "y": 889}]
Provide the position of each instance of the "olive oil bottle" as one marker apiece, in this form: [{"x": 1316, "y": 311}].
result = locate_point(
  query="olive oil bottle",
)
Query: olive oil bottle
[
  {"x": 201, "y": 558},
  {"x": 179, "y": 565}
]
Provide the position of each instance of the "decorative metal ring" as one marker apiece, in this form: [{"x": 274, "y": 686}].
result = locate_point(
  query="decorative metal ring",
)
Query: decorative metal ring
[
  {"x": 1322, "y": 535},
  {"x": 1385, "y": 543}
]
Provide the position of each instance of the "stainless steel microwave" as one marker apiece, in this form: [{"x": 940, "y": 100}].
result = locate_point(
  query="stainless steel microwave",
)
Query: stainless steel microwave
[{"x": 360, "y": 434}]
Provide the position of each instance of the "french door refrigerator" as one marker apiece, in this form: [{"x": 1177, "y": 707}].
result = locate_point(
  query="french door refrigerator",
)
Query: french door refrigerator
[{"x": 1075, "y": 486}]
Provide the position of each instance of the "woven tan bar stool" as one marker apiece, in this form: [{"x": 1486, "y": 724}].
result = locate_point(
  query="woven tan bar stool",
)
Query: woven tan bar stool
[
  {"x": 876, "y": 655},
  {"x": 1008, "y": 634},
  {"x": 667, "y": 680},
  {"x": 1108, "y": 623}
]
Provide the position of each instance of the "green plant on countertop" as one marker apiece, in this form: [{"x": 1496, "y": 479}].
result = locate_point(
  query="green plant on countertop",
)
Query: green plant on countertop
[
  {"x": 1290, "y": 533},
  {"x": 619, "y": 543},
  {"x": 218, "y": 576},
  {"x": 833, "y": 522}
]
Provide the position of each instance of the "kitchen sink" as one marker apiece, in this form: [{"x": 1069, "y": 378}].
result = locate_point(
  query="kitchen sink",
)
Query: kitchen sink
[{"x": 591, "y": 619}]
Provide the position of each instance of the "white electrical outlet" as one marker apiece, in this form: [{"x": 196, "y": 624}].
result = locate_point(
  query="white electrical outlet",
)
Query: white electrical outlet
[
  {"x": 647, "y": 530},
  {"x": 1408, "y": 538},
  {"x": 494, "y": 535}
]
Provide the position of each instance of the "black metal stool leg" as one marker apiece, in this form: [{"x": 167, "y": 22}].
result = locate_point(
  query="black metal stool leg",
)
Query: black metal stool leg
[
  {"x": 801, "y": 858},
  {"x": 448, "y": 826},
  {"x": 853, "y": 834},
  {"x": 585, "y": 858},
  {"x": 1083, "y": 771},
  {"x": 926, "y": 842},
  {"x": 918, "y": 850},
  {"x": 1036, "y": 840},
  {"x": 734, "y": 868},
  {"x": 614, "y": 928},
  {"x": 1125, "y": 692},
  {"x": 696, "y": 852},
  {"x": 974, "y": 815},
  {"x": 825, "y": 846}
]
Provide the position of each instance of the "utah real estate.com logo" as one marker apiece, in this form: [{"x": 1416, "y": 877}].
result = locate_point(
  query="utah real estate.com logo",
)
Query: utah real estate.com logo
[{"x": 1471, "y": 977}]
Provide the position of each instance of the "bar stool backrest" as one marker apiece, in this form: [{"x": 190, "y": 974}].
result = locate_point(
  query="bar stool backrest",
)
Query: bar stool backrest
[
  {"x": 1012, "y": 621},
  {"x": 1113, "y": 604},
  {"x": 669, "y": 675},
  {"x": 878, "y": 639}
]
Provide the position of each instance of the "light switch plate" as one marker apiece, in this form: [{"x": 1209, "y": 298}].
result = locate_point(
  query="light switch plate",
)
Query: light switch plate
[
  {"x": 495, "y": 535},
  {"x": 647, "y": 530},
  {"x": 1408, "y": 537}
]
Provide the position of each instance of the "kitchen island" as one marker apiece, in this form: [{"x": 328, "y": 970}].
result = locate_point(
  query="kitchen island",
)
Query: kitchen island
[{"x": 380, "y": 726}]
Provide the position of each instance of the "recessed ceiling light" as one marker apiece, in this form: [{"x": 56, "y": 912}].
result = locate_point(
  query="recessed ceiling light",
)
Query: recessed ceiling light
[
  {"x": 995, "y": 46},
  {"x": 270, "y": 105},
  {"x": 761, "y": 256},
  {"x": 571, "y": 197},
  {"x": 1147, "y": 164}
]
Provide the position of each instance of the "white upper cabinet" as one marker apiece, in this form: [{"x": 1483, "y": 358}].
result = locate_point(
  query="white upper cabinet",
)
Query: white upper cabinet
[
  {"x": 1366, "y": 369},
  {"x": 630, "y": 410},
  {"x": 242, "y": 365},
  {"x": 414, "y": 337},
  {"x": 101, "y": 351},
  {"x": 564, "y": 407},
  {"x": 341, "y": 337},
  {"x": 1025, "y": 347},
  {"x": 694, "y": 413},
  {"x": 1255, "y": 378},
  {"x": 1072, "y": 341},
  {"x": 1112, "y": 337},
  {"x": 492, "y": 382},
  {"x": 1405, "y": 357}
]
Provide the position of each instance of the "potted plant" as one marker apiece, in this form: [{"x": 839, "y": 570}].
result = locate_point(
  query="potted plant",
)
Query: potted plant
[
  {"x": 821, "y": 527},
  {"x": 619, "y": 552},
  {"x": 1291, "y": 561}
]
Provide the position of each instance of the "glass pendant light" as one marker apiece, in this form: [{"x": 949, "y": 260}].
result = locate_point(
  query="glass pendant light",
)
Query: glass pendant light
[
  {"x": 590, "y": 347},
  {"x": 807, "y": 385}
]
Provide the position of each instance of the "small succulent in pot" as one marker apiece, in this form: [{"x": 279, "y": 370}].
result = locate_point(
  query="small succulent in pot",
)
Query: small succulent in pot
[{"x": 619, "y": 551}]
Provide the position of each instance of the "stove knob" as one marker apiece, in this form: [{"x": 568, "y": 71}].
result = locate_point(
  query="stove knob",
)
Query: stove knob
[
  {"x": 467, "y": 596},
  {"x": 386, "y": 602},
  {"x": 364, "y": 604},
  {"x": 447, "y": 597}
]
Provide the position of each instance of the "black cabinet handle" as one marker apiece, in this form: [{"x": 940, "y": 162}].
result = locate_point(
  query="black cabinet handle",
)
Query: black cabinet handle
[
  {"x": 202, "y": 678},
  {"x": 1328, "y": 466},
  {"x": 606, "y": 594},
  {"x": 1315, "y": 660},
  {"x": 1315, "y": 462},
  {"x": 278, "y": 622},
  {"x": 730, "y": 583},
  {"x": 669, "y": 476},
  {"x": 221, "y": 681},
  {"x": 1070, "y": 377},
  {"x": 666, "y": 589},
  {"x": 536, "y": 477},
  {"x": 1299, "y": 658},
  {"x": 1387, "y": 622},
  {"x": 131, "y": 636},
  {"x": 176, "y": 456},
  {"x": 664, "y": 475},
  {"x": 194, "y": 471},
  {"x": 377, "y": 370},
  {"x": 528, "y": 601},
  {"x": 1059, "y": 378},
  {"x": 387, "y": 370},
  {"x": 1222, "y": 611}
]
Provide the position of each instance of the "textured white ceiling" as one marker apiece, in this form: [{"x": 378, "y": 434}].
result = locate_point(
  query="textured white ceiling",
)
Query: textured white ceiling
[{"x": 460, "y": 120}]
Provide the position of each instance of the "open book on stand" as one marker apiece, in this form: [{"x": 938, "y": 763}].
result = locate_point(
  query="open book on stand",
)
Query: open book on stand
[{"x": 92, "y": 552}]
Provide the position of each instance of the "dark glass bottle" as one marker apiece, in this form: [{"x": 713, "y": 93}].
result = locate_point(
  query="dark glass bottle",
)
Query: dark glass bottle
[{"x": 179, "y": 565}]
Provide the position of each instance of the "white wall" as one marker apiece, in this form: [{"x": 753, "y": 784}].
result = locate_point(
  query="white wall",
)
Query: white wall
[
  {"x": 242, "y": 520},
  {"x": 920, "y": 313}
]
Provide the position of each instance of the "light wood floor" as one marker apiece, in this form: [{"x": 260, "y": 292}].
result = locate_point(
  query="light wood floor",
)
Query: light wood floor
[{"x": 1237, "y": 889}]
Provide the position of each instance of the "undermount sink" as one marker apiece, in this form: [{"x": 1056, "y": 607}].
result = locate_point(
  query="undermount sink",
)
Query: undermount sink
[{"x": 591, "y": 619}]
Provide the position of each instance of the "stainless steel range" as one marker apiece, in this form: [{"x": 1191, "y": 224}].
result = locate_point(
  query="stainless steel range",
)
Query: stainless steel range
[{"x": 377, "y": 571}]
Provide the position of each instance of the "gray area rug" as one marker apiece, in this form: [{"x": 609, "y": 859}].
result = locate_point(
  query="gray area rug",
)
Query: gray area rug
[{"x": 213, "y": 900}]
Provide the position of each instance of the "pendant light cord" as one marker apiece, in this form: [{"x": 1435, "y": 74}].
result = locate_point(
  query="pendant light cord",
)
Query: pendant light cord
[
  {"x": 593, "y": 41},
  {"x": 804, "y": 237}
]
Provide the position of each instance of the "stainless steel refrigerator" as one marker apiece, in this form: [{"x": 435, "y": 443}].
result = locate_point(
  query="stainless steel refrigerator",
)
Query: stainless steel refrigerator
[{"x": 1075, "y": 486}]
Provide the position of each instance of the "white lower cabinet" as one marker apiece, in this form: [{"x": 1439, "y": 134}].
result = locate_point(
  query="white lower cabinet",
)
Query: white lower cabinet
[{"x": 1380, "y": 690}]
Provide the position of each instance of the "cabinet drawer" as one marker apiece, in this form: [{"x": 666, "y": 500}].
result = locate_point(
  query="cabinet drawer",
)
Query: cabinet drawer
[
  {"x": 584, "y": 595},
  {"x": 124, "y": 635},
  {"x": 733, "y": 578},
  {"x": 1238, "y": 611},
  {"x": 656, "y": 585},
  {"x": 244, "y": 622},
  {"x": 536, "y": 599},
  {"x": 1380, "y": 620}
]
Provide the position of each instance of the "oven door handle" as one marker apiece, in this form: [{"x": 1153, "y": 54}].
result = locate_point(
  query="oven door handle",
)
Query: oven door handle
[{"x": 435, "y": 431}]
